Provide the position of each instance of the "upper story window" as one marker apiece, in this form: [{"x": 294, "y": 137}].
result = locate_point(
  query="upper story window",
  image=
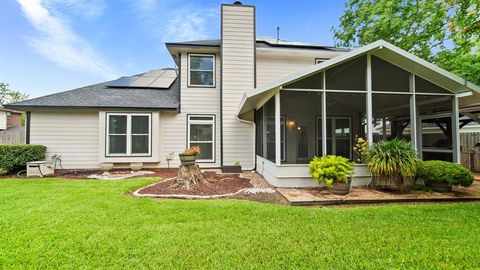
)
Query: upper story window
[
  {"x": 201, "y": 70},
  {"x": 320, "y": 60},
  {"x": 128, "y": 134}
]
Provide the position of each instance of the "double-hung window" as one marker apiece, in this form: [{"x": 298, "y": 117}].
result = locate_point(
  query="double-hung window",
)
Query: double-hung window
[
  {"x": 129, "y": 134},
  {"x": 201, "y": 70},
  {"x": 201, "y": 133}
]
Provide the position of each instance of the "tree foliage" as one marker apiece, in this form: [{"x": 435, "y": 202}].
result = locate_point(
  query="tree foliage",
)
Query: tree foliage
[
  {"x": 446, "y": 32},
  {"x": 9, "y": 96}
]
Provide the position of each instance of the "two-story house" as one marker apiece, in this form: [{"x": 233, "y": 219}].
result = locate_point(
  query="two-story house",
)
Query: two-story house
[{"x": 267, "y": 104}]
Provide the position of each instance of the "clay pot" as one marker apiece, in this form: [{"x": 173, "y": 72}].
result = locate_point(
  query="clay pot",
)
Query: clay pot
[{"x": 340, "y": 188}]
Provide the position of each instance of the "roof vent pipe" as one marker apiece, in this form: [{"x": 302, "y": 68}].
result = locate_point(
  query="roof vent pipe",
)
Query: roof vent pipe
[{"x": 237, "y": 3}]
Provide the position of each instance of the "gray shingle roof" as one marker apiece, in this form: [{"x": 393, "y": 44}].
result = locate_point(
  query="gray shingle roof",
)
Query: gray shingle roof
[{"x": 101, "y": 96}]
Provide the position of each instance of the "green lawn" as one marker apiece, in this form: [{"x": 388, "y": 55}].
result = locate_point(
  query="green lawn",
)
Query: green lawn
[{"x": 92, "y": 224}]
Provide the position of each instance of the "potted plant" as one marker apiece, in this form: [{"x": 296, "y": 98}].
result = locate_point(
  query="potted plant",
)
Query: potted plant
[
  {"x": 189, "y": 155},
  {"x": 393, "y": 164},
  {"x": 361, "y": 173},
  {"x": 333, "y": 170},
  {"x": 440, "y": 176}
]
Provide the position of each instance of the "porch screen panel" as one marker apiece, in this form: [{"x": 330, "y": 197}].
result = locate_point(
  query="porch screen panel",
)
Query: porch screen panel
[
  {"x": 347, "y": 76},
  {"x": 424, "y": 86},
  {"x": 299, "y": 110},
  {"x": 259, "y": 131},
  {"x": 388, "y": 77},
  {"x": 435, "y": 127},
  {"x": 391, "y": 117},
  {"x": 269, "y": 130},
  {"x": 346, "y": 118}
]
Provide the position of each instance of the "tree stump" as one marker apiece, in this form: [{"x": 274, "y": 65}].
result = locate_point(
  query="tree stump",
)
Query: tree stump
[{"x": 189, "y": 175}]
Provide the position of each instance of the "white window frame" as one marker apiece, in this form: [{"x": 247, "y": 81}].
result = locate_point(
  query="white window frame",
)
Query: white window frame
[
  {"x": 213, "y": 71},
  {"x": 129, "y": 135},
  {"x": 320, "y": 60},
  {"x": 202, "y": 122}
]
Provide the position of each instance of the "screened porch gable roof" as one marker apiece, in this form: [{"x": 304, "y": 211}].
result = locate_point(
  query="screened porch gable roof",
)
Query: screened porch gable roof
[{"x": 381, "y": 49}]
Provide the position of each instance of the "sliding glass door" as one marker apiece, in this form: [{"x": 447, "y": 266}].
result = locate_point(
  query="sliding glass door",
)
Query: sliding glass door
[{"x": 339, "y": 136}]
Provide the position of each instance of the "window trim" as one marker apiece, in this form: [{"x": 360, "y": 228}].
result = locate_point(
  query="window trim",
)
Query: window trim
[
  {"x": 128, "y": 134},
  {"x": 213, "y": 123},
  {"x": 319, "y": 60},
  {"x": 189, "y": 84}
]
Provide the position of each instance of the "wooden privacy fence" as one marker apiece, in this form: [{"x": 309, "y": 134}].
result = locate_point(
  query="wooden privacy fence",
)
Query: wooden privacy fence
[
  {"x": 16, "y": 136},
  {"x": 468, "y": 140}
]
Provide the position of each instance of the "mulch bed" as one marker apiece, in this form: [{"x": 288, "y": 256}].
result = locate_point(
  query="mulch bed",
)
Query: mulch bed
[{"x": 217, "y": 184}]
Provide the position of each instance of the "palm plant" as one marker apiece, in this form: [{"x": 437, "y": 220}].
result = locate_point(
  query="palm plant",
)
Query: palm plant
[{"x": 393, "y": 163}]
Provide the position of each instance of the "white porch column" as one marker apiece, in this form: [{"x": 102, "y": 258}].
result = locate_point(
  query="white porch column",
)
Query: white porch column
[
  {"x": 413, "y": 113},
  {"x": 324, "y": 116},
  {"x": 455, "y": 131},
  {"x": 278, "y": 150},
  {"x": 368, "y": 80}
]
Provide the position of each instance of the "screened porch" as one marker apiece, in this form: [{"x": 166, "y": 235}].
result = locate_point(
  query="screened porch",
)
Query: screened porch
[
  {"x": 323, "y": 113},
  {"x": 377, "y": 92}
]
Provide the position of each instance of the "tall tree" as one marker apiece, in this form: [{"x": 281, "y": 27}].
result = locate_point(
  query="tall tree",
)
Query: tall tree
[
  {"x": 446, "y": 32},
  {"x": 9, "y": 96}
]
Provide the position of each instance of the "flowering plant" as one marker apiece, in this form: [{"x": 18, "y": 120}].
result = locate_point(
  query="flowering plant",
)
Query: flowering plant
[
  {"x": 360, "y": 149},
  {"x": 194, "y": 150}
]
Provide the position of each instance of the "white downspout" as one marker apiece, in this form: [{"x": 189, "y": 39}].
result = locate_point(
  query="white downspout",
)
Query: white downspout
[{"x": 254, "y": 130}]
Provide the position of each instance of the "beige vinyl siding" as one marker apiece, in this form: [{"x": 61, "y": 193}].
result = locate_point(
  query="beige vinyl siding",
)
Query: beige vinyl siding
[
  {"x": 271, "y": 68},
  {"x": 194, "y": 100},
  {"x": 72, "y": 135},
  {"x": 3, "y": 120},
  {"x": 238, "y": 33}
]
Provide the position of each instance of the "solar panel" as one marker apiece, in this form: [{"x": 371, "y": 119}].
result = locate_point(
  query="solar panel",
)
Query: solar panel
[
  {"x": 122, "y": 81},
  {"x": 162, "y": 82},
  {"x": 154, "y": 73},
  {"x": 160, "y": 78},
  {"x": 142, "y": 81}
]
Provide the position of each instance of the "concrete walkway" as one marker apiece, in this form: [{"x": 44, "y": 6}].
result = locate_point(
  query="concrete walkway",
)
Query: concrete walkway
[{"x": 317, "y": 196}]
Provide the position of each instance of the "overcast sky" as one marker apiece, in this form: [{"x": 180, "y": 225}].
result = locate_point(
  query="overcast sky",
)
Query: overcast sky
[{"x": 48, "y": 46}]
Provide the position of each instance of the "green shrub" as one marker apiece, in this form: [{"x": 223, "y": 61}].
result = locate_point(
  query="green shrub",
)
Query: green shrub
[
  {"x": 16, "y": 156},
  {"x": 443, "y": 171},
  {"x": 393, "y": 161},
  {"x": 330, "y": 169}
]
